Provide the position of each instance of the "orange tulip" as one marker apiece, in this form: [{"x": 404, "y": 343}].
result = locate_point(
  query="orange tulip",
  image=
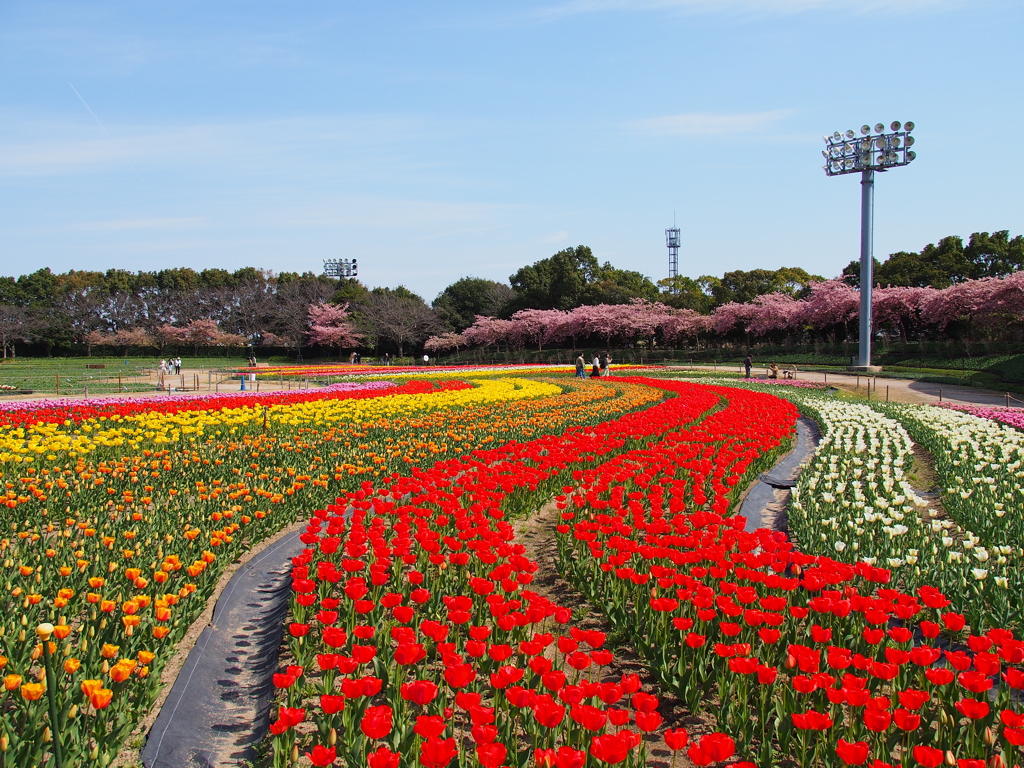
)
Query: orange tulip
[
  {"x": 32, "y": 691},
  {"x": 109, "y": 651},
  {"x": 107, "y": 606},
  {"x": 12, "y": 682},
  {"x": 71, "y": 665},
  {"x": 97, "y": 581},
  {"x": 101, "y": 698},
  {"x": 145, "y": 657},
  {"x": 122, "y": 670},
  {"x": 161, "y": 632},
  {"x": 61, "y": 631}
]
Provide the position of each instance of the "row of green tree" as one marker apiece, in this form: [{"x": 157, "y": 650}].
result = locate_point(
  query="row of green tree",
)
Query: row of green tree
[{"x": 58, "y": 311}]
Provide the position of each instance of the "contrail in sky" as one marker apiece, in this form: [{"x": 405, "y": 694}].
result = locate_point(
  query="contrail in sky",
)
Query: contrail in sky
[
  {"x": 90, "y": 109},
  {"x": 102, "y": 126}
]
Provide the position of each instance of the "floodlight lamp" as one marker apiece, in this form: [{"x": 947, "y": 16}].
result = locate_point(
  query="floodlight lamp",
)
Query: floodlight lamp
[
  {"x": 895, "y": 125},
  {"x": 850, "y": 134},
  {"x": 880, "y": 143},
  {"x": 837, "y": 136},
  {"x": 911, "y": 155},
  {"x": 879, "y": 128},
  {"x": 865, "y": 129},
  {"x": 910, "y": 141},
  {"x": 908, "y": 126},
  {"x": 896, "y": 141}
]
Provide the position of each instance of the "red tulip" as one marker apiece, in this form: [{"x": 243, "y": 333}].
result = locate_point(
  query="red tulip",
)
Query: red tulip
[
  {"x": 906, "y": 720},
  {"x": 567, "y": 757},
  {"x": 331, "y": 704},
  {"x": 676, "y": 738},
  {"x": 376, "y": 722},
  {"x": 420, "y": 692},
  {"x": 929, "y": 757},
  {"x": 852, "y": 753},
  {"x": 491, "y": 755},
  {"x": 972, "y": 708},
  {"x": 609, "y": 748},
  {"x": 459, "y": 675},
  {"x": 429, "y": 726},
  {"x": 321, "y": 756},
  {"x": 547, "y": 712},
  {"x": 648, "y": 721},
  {"x": 298, "y": 630},
  {"x": 437, "y": 753},
  {"x": 812, "y": 721},
  {"x": 383, "y": 758},
  {"x": 713, "y": 748}
]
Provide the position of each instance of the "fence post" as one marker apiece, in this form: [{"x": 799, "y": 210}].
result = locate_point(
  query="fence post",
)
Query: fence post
[
  {"x": 887, "y": 393},
  {"x": 1007, "y": 399},
  {"x": 940, "y": 394},
  {"x": 58, "y": 382}
]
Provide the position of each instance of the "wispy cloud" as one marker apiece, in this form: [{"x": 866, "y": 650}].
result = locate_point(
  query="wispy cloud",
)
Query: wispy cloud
[
  {"x": 707, "y": 124},
  {"x": 34, "y": 148},
  {"x": 576, "y": 7},
  {"x": 554, "y": 238},
  {"x": 172, "y": 223}
]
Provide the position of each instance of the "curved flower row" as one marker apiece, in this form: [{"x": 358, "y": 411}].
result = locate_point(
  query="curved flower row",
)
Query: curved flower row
[
  {"x": 811, "y": 659},
  {"x": 1012, "y": 416},
  {"x": 76, "y": 410},
  {"x": 154, "y": 428},
  {"x": 119, "y": 550},
  {"x": 412, "y": 625},
  {"x": 981, "y": 466}
]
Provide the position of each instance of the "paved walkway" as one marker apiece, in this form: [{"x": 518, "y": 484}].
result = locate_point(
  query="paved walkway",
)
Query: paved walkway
[{"x": 897, "y": 390}]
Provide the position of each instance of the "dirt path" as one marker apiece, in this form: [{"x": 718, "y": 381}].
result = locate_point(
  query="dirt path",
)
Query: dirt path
[
  {"x": 537, "y": 534},
  {"x": 897, "y": 390}
]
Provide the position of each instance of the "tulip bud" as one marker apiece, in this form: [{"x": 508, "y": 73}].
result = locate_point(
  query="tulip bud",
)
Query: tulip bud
[
  {"x": 73, "y": 712},
  {"x": 46, "y": 735},
  {"x": 94, "y": 753},
  {"x": 4, "y": 743},
  {"x": 37, "y": 651},
  {"x": 996, "y": 761},
  {"x": 332, "y": 738},
  {"x": 950, "y": 758},
  {"x": 990, "y": 738},
  {"x": 790, "y": 661},
  {"x": 295, "y": 753}
]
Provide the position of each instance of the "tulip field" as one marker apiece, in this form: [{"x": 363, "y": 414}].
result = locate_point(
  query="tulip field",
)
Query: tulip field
[{"x": 882, "y": 630}]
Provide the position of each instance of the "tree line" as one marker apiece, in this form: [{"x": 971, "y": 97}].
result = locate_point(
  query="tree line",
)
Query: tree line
[{"x": 175, "y": 308}]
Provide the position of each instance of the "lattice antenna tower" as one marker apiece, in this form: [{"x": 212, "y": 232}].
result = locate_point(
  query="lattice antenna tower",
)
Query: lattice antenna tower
[{"x": 672, "y": 241}]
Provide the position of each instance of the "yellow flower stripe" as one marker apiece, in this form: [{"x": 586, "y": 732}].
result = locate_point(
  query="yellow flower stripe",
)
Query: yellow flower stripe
[{"x": 162, "y": 429}]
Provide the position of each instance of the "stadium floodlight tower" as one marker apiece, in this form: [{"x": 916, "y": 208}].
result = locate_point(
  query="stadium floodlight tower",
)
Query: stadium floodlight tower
[
  {"x": 672, "y": 241},
  {"x": 340, "y": 268},
  {"x": 869, "y": 152}
]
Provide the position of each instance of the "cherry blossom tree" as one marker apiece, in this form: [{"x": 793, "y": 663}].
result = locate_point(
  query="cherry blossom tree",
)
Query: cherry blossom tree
[
  {"x": 899, "y": 307},
  {"x": 772, "y": 312},
  {"x": 444, "y": 343},
  {"x": 487, "y": 331},
  {"x": 830, "y": 303},
  {"x": 329, "y": 326}
]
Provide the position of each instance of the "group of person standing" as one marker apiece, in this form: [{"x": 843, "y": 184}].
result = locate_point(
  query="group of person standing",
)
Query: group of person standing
[
  {"x": 171, "y": 367},
  {"x": 601, "y": 366}
]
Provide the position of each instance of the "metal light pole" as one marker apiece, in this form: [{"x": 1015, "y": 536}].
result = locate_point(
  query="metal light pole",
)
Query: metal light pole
[{"x": 867, "y": 153}]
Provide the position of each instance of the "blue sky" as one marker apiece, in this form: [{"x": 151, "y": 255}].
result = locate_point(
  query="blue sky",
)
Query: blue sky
[{"x": 435, "y": 140}]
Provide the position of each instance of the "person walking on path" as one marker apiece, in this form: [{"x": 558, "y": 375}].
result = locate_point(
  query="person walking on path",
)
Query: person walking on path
[
  {"x": 581, "y": 367},
  {"x": 748, "y": 362},
  {"x": 595, "y": 370},
  {"x": 604, "y": 363}
]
